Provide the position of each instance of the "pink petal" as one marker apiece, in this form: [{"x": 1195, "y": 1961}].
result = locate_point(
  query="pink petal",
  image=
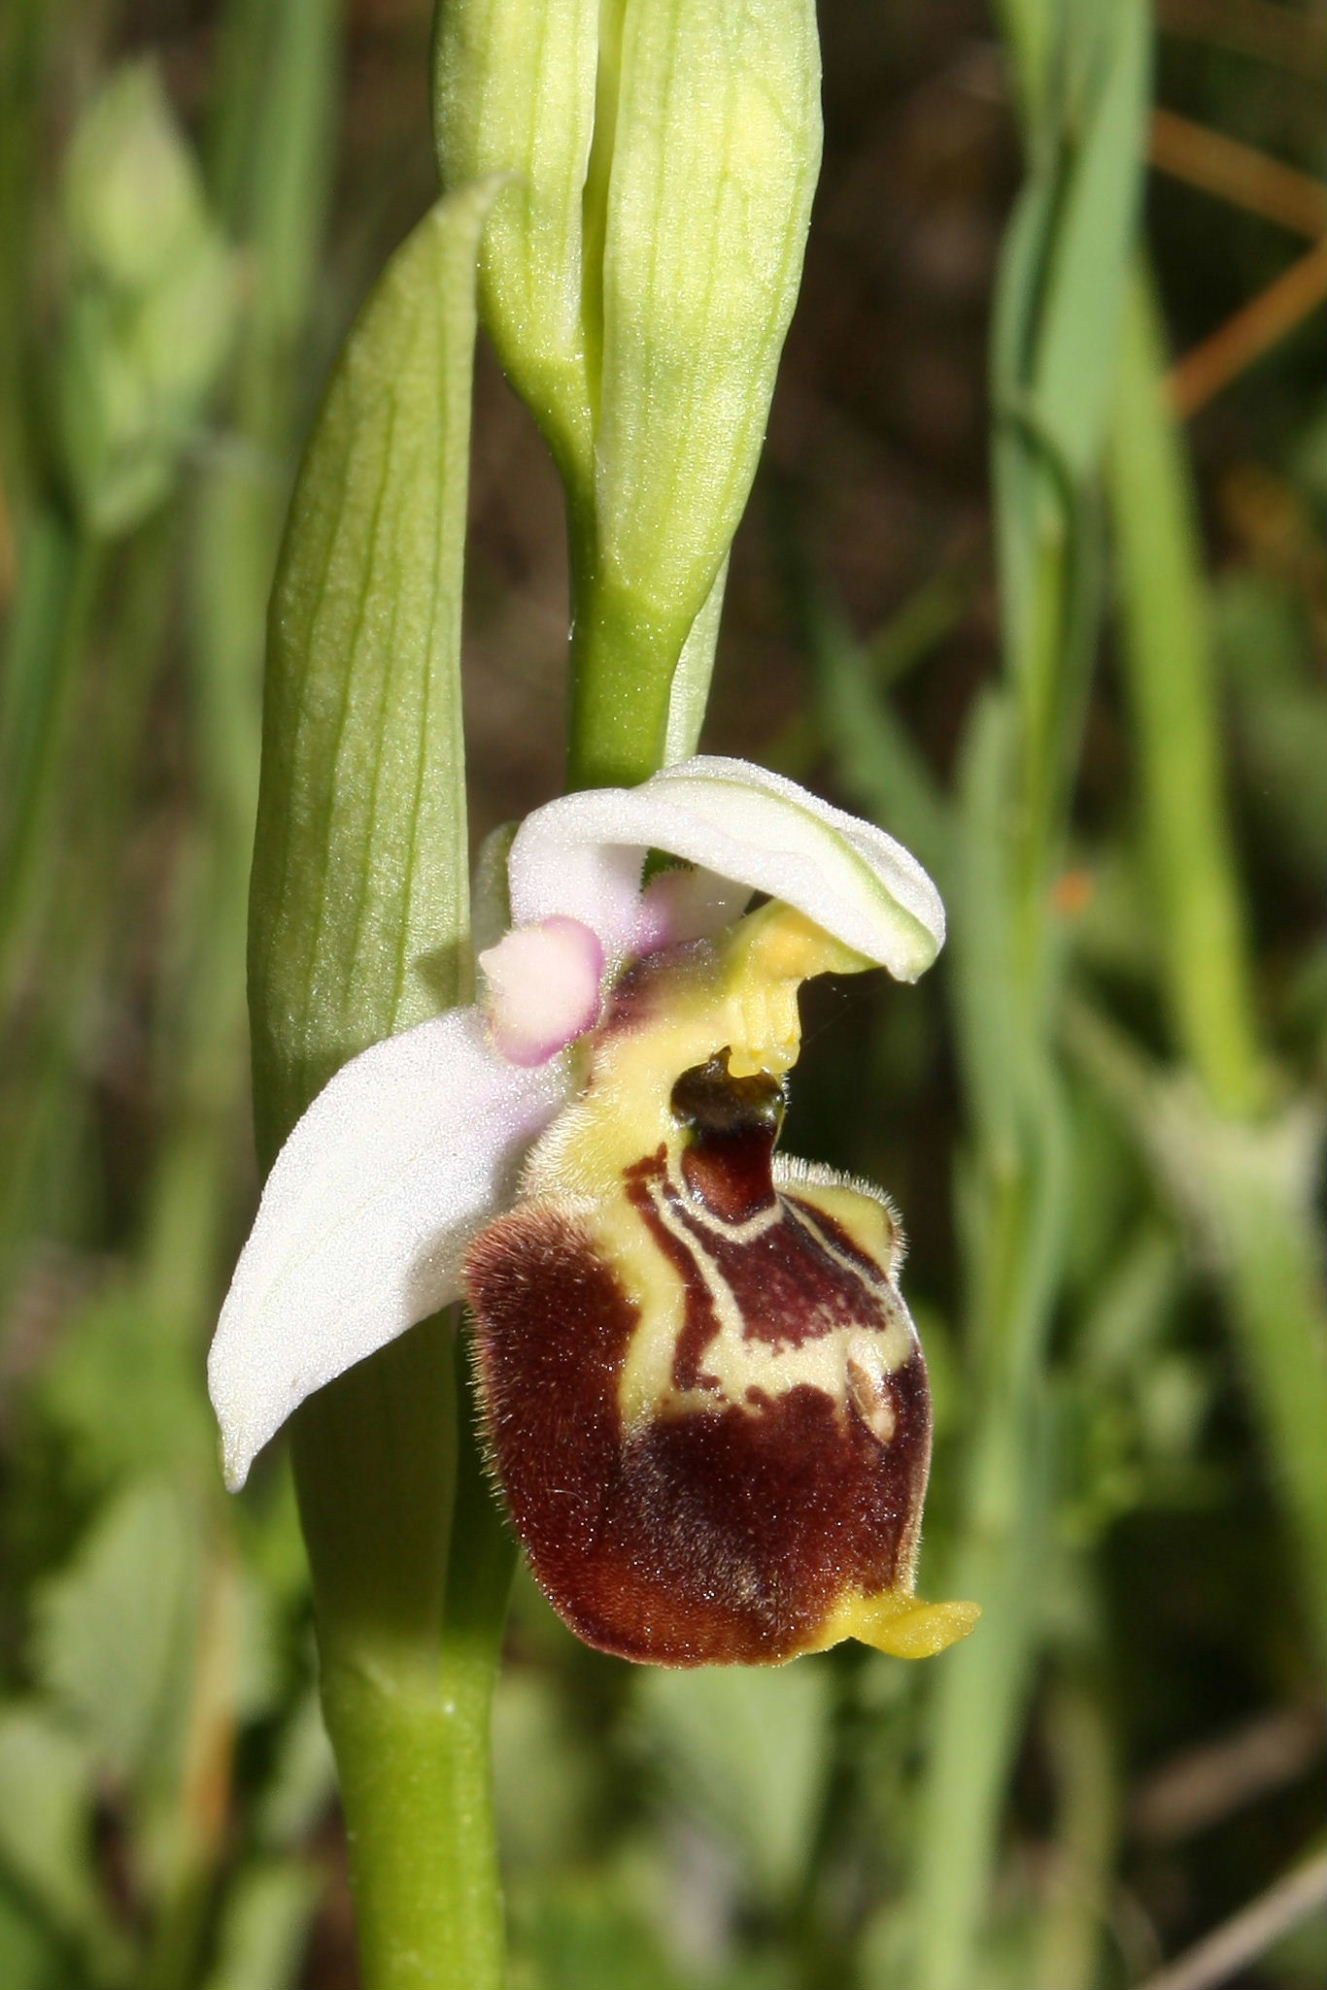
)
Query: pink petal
[{"x": 543, "y": 988}]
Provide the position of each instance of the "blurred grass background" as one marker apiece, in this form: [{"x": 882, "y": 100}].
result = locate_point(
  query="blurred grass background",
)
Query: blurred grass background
[{"x": 1102, "y": 1116}]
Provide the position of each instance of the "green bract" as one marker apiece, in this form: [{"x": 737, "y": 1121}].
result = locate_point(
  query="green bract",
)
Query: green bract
[
  {"x": 363, "y": 783},
  {"x": 639, "y": 273}
]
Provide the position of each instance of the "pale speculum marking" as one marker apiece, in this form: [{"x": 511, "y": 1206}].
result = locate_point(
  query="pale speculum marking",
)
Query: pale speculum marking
[{"x": 773, "y": 1301}]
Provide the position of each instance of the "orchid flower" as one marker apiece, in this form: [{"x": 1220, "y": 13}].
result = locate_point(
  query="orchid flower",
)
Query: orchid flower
[{"x": 703, "y": 1395}]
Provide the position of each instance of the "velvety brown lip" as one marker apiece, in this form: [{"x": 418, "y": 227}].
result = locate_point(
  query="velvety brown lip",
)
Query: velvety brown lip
[
  {"x": 715, "y": 1536},
  {"x": 719, "y": 1531}
]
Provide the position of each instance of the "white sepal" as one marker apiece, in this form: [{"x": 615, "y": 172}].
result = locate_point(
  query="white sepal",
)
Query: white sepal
[
  {"x": 410, "y": 1149},
  {"x": 581, "y": 856}
]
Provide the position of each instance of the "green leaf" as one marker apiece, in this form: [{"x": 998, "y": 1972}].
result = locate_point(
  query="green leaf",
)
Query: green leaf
[
  {"x": 991, "y": 1025},
  {"x": 302, "y": 1780},
  {"x": 1088, "y": 257},
  {"x": 1171, "y": 679},
  {"x": 881, "y": 769},
  {"x": 690, "y": 689},
  {"x": 544, "y": 1782},
  {"x": 1063, "y": 279},
  {"x": 1029, "y": 27},
  {"x": 746, "y": 1752},
  {"x": 588, "y": 1935},
  {"x": 359, "y": 907},
  {"x": 148, "y": 320},
  {"x": 113, "y": 1636},
  {"x": 119, "y": 1348},
  {"x": 47, "y": 1792},
  {"x": 359, "y": 927},
  {"x": 1246, "y": 1189},
  {"x": 29, "y": 1958},
  {"x": 1066, "y": 260},
  {"x": 264, "y": 1927},
  {"x": 1263, "y": 636}
]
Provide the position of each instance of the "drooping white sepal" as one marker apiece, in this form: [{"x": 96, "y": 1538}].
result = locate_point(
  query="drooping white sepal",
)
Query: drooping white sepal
[
  {"x": 411, "y": 1148},
  {"x": 581, "y": 857}
]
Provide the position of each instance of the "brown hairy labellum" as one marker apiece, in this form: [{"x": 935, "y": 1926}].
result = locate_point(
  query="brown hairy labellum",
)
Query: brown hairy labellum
[{"x": 704, "y": 1397}]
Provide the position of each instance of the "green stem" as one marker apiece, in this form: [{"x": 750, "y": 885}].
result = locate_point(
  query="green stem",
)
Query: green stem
[
  {"x": 623, "y": 662},
  {"x": 409, "y": 1647},
  {"x": 27, "y": 36},
  {"x": 43, "y": 677},
  {"x": 362, "y": 832},
  {"x": 384, "y": 1472},
  {"x": 982, "y": 1690},
  {"x": 1019, "y": 773},
  {"x": 1014, "y": 1249},
  {"x": 1080, "y": 1746},
  {"x": 1269, "y": 1242},
  {"x": 1172, "y": 688}
]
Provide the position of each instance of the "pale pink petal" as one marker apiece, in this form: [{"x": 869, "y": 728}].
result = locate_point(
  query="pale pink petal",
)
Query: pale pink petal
[
  {"x": 582, "y": 855},
  {"x": 542, "y": 988},
  {"x": 399, "y": 1161}
]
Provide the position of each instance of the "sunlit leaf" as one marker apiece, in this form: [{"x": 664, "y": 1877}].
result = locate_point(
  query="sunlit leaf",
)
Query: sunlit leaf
[
  {"x": 745, "y": 1753},
  {"x": 47, "y": 1790},
  {"x": 114, "y": 1630},
  {"x": 264, "y": 1927}
]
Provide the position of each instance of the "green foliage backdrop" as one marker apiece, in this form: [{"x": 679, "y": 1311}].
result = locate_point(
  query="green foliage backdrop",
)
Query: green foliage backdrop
[{"x": 1046, "y": 601}]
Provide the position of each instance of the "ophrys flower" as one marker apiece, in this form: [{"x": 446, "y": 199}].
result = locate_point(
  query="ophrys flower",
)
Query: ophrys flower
[{"x": 704, "y": 1396}]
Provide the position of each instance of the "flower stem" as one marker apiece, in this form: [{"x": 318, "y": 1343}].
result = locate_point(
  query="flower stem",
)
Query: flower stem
[
  {"x": 1064, "y": 267},
  {"x": 43, "y": 661},
  {"x": 409, "y": 1639},
  {"x": 623, "y": 662},
  {"x": 1270, "y": 1237},
  {"x": 359, "y": 929},
  {"x": 1171, "y": 682}
]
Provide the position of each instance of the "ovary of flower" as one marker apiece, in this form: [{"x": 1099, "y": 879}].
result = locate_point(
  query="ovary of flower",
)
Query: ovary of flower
[{"x": 421, "y": 1141}]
